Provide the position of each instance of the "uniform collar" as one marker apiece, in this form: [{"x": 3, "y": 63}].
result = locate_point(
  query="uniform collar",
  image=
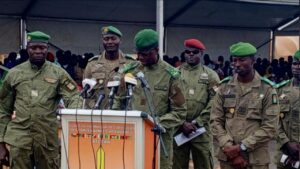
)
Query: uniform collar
[
  {"x": 189, "y": 67},
  {"x": 256, "y": 82},
  {"x": 121, "y": 58},
  {"x": 35, "y": 68}
]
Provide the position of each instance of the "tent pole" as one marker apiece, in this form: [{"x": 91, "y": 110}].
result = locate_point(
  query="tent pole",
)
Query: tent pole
[
  {"x": 273, "y": 45},
  {"x": 23, "y": 33},
  {"x": 160, "y": 25}
]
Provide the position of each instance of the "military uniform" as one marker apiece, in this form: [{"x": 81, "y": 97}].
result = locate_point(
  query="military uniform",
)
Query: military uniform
[
  {"x": 169, "y": 102},
  {"x": 289, "y": 115},
  {"x": 103, "y": 70},
  {"x": 34, "y": 95},
  {"x": 245, "y": 113},
  {"x": 199, "y": 82}
]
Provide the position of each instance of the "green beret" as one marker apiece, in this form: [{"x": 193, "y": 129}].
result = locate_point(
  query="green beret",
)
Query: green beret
[
  {"x": 145, "y": 40},
  {"x": 242, "y": 49},
  {"x": 297, "y": 55},
  {"x": 38, "y": 36},
  {"x": 111, "y": 30}
]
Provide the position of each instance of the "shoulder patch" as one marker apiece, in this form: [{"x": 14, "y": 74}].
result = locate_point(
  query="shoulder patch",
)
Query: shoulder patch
[
  {"x": 281, "y": 84},
  {"x": 130, "y": 56},
  {"x": 174, "y": 72},
  {"x": 225, "y": 80},
  {"x": 94, "y": 58},
  {"x": 266, "y": 80},
  {"x": 130, "y": 66}
]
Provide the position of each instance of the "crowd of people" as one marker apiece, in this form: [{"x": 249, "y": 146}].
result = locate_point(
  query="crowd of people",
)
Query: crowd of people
[{"x": 239, "y": 109}]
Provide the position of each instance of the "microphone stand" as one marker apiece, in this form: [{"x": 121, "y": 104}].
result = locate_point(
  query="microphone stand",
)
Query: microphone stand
[{"x": 156, "y": 128}]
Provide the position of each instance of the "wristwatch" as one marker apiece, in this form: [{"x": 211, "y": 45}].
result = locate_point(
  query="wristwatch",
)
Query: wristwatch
[{"x": 243, "y": 147}]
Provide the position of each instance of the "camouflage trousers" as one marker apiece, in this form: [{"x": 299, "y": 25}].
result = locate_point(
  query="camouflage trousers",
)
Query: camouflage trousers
[
  {"x": 226, "y": 165},
  {"x": 38, "y": 157},
  {"x": 202, "y": 157}
]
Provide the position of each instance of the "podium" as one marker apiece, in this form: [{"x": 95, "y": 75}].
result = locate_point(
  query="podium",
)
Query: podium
[{"x": 97, "y": 141}]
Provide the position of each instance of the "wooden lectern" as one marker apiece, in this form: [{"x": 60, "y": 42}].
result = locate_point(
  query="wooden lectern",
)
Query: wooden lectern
[{"x": 97, "y": 141}]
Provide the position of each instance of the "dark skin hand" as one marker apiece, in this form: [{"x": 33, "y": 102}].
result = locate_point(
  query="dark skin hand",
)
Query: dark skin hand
[{"x": 4, "y": 154}]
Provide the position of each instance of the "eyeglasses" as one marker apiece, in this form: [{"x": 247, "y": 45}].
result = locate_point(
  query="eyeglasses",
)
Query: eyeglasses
[
  {"x": 194, "y": 52},
  {"x": 296, "y": 63}
]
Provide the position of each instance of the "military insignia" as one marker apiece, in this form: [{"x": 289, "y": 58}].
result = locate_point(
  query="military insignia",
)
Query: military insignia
[
  {"x": 261, "y": 95},
  {"x": 231, "y": 110},
  {"x": 105, "y": 30},
  {"x": 34, "y": 93},
  {"x": 204, "y": 76},
  {"x": 175, "y": 73},
  {"x": 191, "y": 91},
  {"x": 274, "y": 99},
  {"x": 100, "y": 81},
  {"x": 281, "y": 115},
  {"x": 50, "y": 80},
  {"x": 215, "y": 88},
  {"x": 70, "y": 86},
  {"x": 282, "y": 96},
  {"x": 242, "y": 111},
  {"x": 28, "y": 38}
]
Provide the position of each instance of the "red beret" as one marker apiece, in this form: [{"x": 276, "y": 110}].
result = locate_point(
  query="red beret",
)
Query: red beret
[{"x": 194, "y": 43}]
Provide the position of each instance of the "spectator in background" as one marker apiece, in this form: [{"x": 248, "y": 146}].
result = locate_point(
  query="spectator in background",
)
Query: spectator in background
[
  {"x": 227, "y": 69},
  {"x": 289, "y": 67},
  {"x": 50, "y": 57},
  {"x": 207, "y": 62},
  {"x": 11, "y": 60},
  {"x": 220, "y": 61},
  {"x": 23, "y": 56}
]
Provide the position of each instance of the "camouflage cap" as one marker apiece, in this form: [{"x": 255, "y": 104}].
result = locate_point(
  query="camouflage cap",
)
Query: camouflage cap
[
  {"x": 111, "y": 30},
  {"x": 146, "y": 39},
  {"x": 297, "y": 55},
  {"x": 38, "y": 36},
  {"x": 242, "y": 49}
]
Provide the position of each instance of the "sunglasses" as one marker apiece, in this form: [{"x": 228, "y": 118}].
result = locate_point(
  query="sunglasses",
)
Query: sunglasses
[
  {"x": 296, "y": 63},
  {"x": 194, "y": 52}
]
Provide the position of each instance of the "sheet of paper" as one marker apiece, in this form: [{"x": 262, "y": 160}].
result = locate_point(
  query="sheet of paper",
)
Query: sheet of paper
[{"x": 181, "y": 138}]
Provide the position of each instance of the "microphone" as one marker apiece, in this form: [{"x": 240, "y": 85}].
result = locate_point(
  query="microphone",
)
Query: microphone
[
  {"x": 130, "y": 82},
  {"x": 113, "y": 86},
  {"x": 140, "y": 76},
  {"x": 101, "y": 97},
  {"x": 88, "y": 85}
]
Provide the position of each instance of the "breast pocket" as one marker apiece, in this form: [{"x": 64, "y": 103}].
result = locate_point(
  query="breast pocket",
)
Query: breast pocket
[
  {"x": 284, "y": 105},
  {"x": 229, "y": 107},
  {"x": 201, "y": 92},
  {"x": 254, "y": 109},
  {"x": 160, "y": 93}
]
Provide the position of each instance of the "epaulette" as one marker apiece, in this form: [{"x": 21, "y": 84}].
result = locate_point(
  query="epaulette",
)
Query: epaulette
[
  {"x": 281, "y": 84},
  {"x": 131, "y": 56},
  {"x": 225, "y": 80},
  {"x": 94, "y": 58},
  {"x": 174, "y": 72},
  {"x": 130, "y": 66},
  {"x": 266, "y": 80}
]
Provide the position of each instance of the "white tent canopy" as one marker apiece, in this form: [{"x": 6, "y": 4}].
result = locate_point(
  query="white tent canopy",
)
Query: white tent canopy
[{"x": 75, "y": 24}]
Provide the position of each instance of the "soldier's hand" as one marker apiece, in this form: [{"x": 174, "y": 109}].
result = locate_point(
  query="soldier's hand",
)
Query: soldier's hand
[
  {"x": 4, "y": 154},
  {"x": 232, "y": 151},
  {"x": 292, "y": 149},
  {"x": 239, "y": 162},
  {"x": 188, "y": 128}
]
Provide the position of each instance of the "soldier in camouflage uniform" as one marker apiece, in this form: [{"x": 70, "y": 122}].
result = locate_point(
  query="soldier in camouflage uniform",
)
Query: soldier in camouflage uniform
[
  {"x": 199, "y": 82},
  {"x": 33, "y": 90},
  {"x": 245, "y": 114},
  {"x": 105, "y": 66},
  {"x": 165, "y": 86},
  {"x": 289, "y": 130}
]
